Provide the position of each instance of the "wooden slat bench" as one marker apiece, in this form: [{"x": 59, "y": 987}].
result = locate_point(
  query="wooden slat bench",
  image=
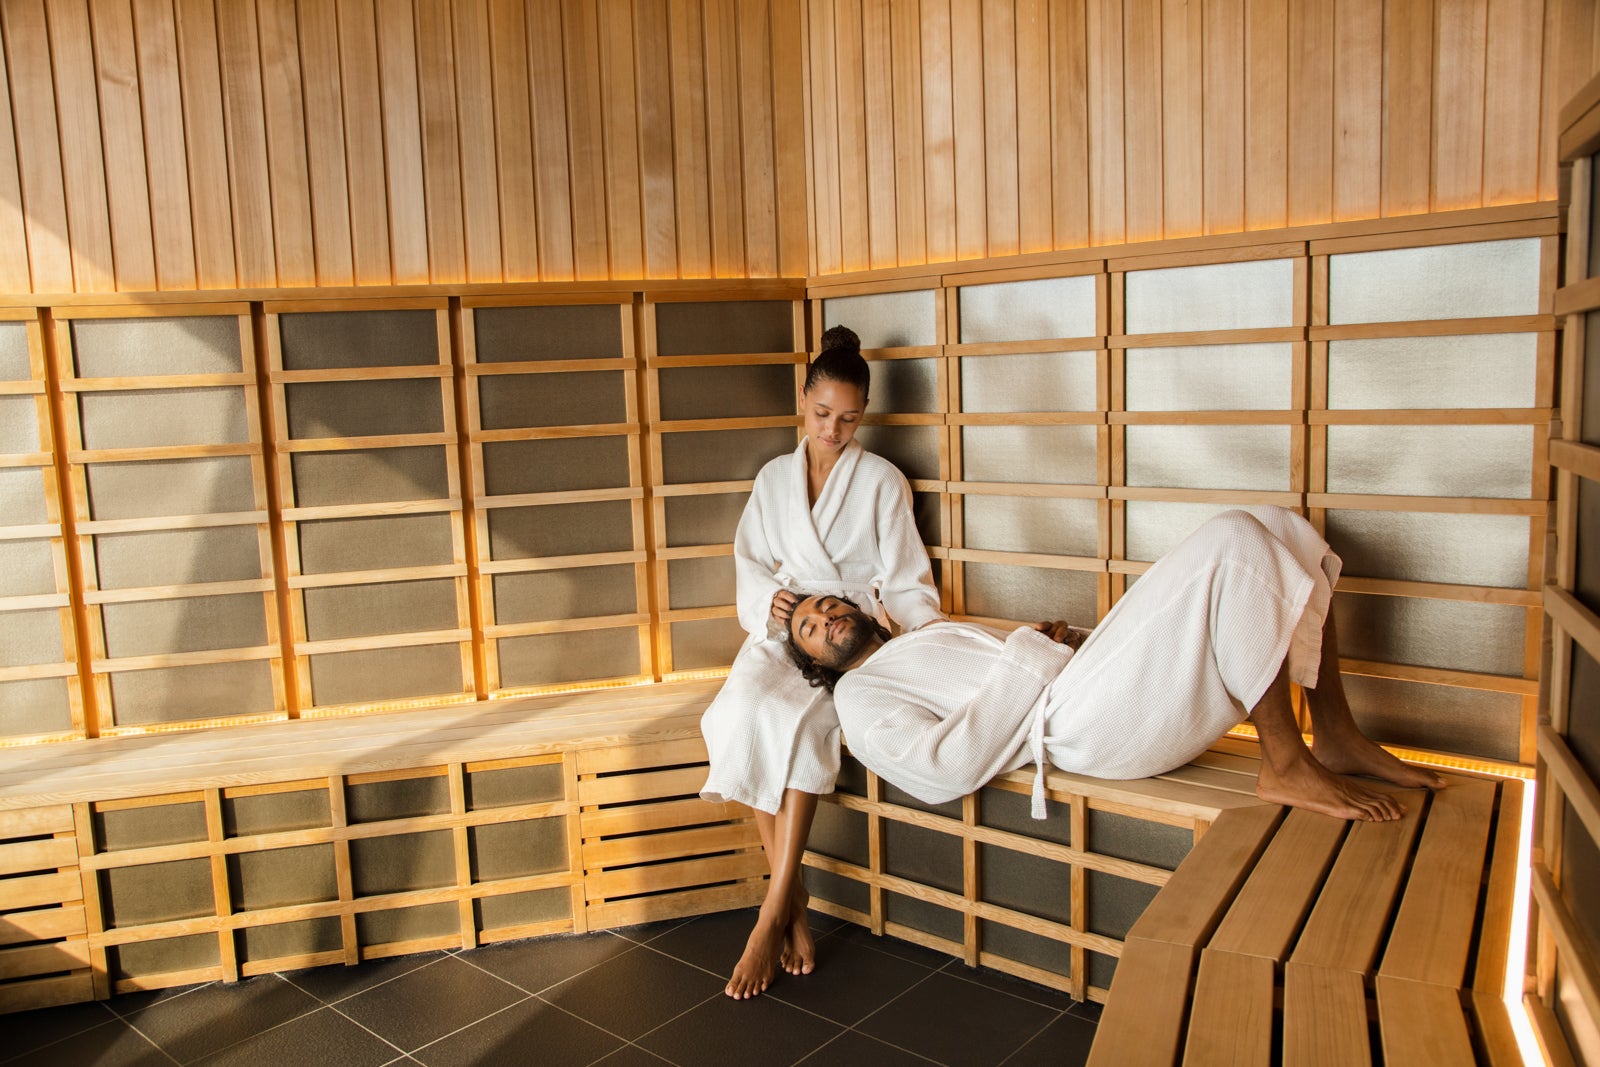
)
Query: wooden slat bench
[{"x": 1295, "y": 938}]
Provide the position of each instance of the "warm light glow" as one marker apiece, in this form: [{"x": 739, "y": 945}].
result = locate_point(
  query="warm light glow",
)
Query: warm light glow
[
  {"x": 349, "y": 710},
  {"x": 570, "y": 687},
  {"x": 1427, "y": 759},
  {"x": 1516, "y": 959},
  {"x": 699, "y": 676}
]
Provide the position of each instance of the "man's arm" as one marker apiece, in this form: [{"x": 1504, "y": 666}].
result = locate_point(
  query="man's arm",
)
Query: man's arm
[{"x": 936, "y": 758}]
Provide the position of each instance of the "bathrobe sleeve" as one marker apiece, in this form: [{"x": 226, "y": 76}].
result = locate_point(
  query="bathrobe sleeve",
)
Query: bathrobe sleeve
[
  {"x": 754, "y": 563},
  {"x": 908, "y": 592}
]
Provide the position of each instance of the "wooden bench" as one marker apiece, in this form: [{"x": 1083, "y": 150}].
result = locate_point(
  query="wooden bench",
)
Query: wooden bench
[{"x": 1295, "y": 938}]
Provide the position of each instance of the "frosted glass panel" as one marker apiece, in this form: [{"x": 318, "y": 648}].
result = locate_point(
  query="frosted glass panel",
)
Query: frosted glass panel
[
  {"x": 334, "y": 612},
  {"x": 1065, "y": 527},
  {"x": 1471, "y": 722},
  {"x": 516, "y": 335},
  {"x": 581, "y": 592},
  {"x": 558, "y": 659},
  {"x": 561, "y": 529},
  {"x": 157, "y": 417},
  {"x": 1217, "y": 296},
  {"x": 1052, "y": 455},
  {"x": 371, "y": 476},
  {"x": 704, "y": 520},
  {"x": 1442, "y": 282},
  {"x": 705, "y": 643},
  {"x": 27, "y": 568},
  {"x": 172, "y": 694},
  {"x": 329, "y": 546},
  {"x": 684, "y": 329},
  {"x": 177, "y": 557},
  {"x": 1453, "y": 549},
  {"x": 904, "y": 385},
  {"x": 555, "y": 465},
  {"x": 1023, "y": 311},
  {"x": 1209, "y": 457},
  {"x": 170, "y": 487},
  {"x": 1049, "y": 381},
  {"x": 34, "y": 706},
  {"x": 21, "y": 496},
  {"x": 515, "y": 400},
  {"x": 1031, "y": 594},
  {"x": 325, "y": 340},
  {"x": 1154, "y": 528},
  {"x": 1482, "y": 371},
  {"x": 727, "y": 392},
  {"x": 1484, "y": 461},
  {"x": 14, "y": 352},
  {"x": 1209, "y": 378},
  {"x": 914, "y": 449},
  {"x": 722, "y": 455},
  {"x": 700, "y": 583},
  {"x": 190, "y": 624},
  {"x": 885, "y": 320},
  {"x": 1450, "y": 634},
  {"x": 29, "y": 637},
  {"x": 365, "y": 408},
  {"x": 385, "y": 674},
  {"x": 19, "y": 425},
  {"x": 118, "y": 348}
]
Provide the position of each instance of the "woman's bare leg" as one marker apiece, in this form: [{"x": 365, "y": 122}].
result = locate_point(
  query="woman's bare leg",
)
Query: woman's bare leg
[
  {"x": 781, "y": 934},
  {"x": 1291, "y": 775},
  {"x": 1337, "y": 742}
]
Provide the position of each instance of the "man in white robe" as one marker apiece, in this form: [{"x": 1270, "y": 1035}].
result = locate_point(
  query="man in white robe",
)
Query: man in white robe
[{"x": 1212, "y": 633}]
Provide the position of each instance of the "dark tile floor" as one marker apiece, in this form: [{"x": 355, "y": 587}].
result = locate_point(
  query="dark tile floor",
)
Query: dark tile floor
[{"x": 644, "y": 995}]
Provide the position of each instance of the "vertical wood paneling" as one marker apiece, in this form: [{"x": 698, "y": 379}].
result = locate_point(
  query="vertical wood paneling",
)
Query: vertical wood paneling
[
  {"x": 328, "y": 181},
  {"x": 877, "y": 67},
  {"x": 1107, "y": 189},
  {"x": 911, "y": 230},
  {"x": 966, "y": 93},
  {"x": 788, "y": 109},
  {"x": 755, "y": 119},
  {"x": 1407, "y": 107},
  {"x": 585, "y": 138},
  {"x": 1034, "y": 223},
  {"x": 402, "y": 141},
  {"x": 722, "y": 139},
  {"x": 441, "y": 153},
  {"x": 855, "y": 248},
  {"x": 1459, "y": 105},
  {"x": 475, "y": 104},
  {"x": 1569, "y": 61},
  {"x": 1000, "y": 126},
  {"x": 44, "y": 197},
  {"x": 938, "y": 132},
  {"x": 1511, "y": 100},
  {"x": 244, "y": 117},
  {"x": 1223, "y": 116},
  {"x": 1141, "y": 21},
  {"x": 653, "y": 62},
  {"x": 166, "y": 154},
  {"x": 513, "y": 141},
  {"x": 624, "y": 215},
  {"x": 206, "y": 138},
  {"x": 365, "y": 150},
  {"x": 1266, "y": 132},
  {"x": 121, "y": 124},
  {"x": 1069, "y": 134},
  {"x": 14, "y": 276},
  {"x": 1311, "y": 36},
  {"x": 283, "y": 100},
  {"x": 82, "y": 162},
  {"x": 691, "y": 187},
  {"x": 552, "y": 176},
  {"x": 1182, "y": 118},
  {"x": 1358, "y": 93}
]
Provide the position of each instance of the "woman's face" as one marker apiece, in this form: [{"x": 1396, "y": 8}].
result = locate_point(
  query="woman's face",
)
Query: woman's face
[{"x": 832, "y": 411}]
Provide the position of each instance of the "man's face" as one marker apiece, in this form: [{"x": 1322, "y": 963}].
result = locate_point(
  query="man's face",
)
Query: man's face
[{"x": 830, "y": 631}]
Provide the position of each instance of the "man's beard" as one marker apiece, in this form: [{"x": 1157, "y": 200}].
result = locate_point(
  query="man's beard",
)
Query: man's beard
[{"x": 859, "y": 629}]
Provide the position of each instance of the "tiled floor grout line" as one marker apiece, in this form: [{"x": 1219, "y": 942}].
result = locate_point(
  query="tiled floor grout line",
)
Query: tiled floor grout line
[
  {"x": 111, "y": 1017},
  {"x": 442, "y": 1037},
  {"x": 1031, "y": 1037},
  {"x": 367, "y": 989},
  {"x": 856, "y": 1026},
  {"x": 153, "y": 1043},
  {"x": 950, "y": 969},
  {"x": 335, "y": 1009}
]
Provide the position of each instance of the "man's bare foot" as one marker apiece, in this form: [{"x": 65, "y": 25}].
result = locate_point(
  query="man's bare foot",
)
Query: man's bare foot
[
  {"x": 799, "y": 949},
  {"x": 1306, "y": 783},
  {"x": 1352, "y": 753},
  {"x": 759, "y": 964}
]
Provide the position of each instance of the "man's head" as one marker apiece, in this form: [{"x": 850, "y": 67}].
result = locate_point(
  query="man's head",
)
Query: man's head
[{"x": 829, "y": 635}]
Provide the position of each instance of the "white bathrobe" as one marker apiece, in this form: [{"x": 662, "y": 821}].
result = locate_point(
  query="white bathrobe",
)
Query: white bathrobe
[
  {"x": 768, "y": 730},
  {"x": 1175, "y": 664}
]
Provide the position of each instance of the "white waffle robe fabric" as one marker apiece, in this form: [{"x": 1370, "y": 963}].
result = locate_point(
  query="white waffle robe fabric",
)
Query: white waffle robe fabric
[
  {"x": 1176, "y": 663},
  {"x": 768, "y": 730}
]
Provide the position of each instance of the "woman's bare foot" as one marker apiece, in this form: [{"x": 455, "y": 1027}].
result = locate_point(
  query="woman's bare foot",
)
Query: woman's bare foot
[
  {"x": 799, "y": 949},
  {"x": 1349, "y": 752},
  {"x": 759, "y": 964},
  {"x": 1306, "y": 783}
]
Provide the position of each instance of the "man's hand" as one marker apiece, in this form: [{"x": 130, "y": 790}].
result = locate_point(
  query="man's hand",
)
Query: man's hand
[
  {"x": 1062, "y": 634},
  {"x": 783, "y": 605}
]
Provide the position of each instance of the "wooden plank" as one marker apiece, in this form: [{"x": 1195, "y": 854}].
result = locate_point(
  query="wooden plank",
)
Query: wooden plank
[
  {"x": 641, "y": 756},
  {"x": 322, "y": 110},
  {"x": 1266, "y": 147},
  {"x": 788, "y": 111},
  {"x": 1496, "y": 1036},
  {"x": 41, "y": 925},
  {"x": 691, "y": 189},
  {"x": 14, "y": 274},
  {"x": 651, "y": 848},
  {"x": 1494, "y": 929},
  {"x": 651, "y": 785},
  {"x": 34, "y": 822},
  {"x": 1433, "y": 931},
  {"x": 905, "y": 63},
  {"x": 1324, "y": 1018},
  {"x": 1407, "y": 107},
  {"x": 24, "y": 857},
  {"x": 653, "y": 63},
  {"x": 477, "y": 127},
  {"x": 512, "y": 85},
  {"x": 1267, "y": 912},
  {"x": 1069, "y": 123},
  {"x": 552, "y": 180},
  {"x": 619, "y": 109},
  {"x": 1208, "y": 878},
  {"x": 81, "y": 144},
  {"x": 239, "y": 50},
  {"x": 1358, "y": 85},
  {"x": 1145, "y": 1014},
  {"x": 1311, "y": 112},
  {"x": 205, "y": 137},
  {"x": 47, "y": 992},
  {"x": 1142, "y": 118},
  {"x": 1231, "y": 1017},
  {"x": 682, "y": 874},
  {"x": 34, "y": 891},
  {"x": 402, "y": 143},
  {"x": 122, "y": 129},
  {"x": 1574, "y": 953},
  {"x": 938, "y": 139},
  {"x": 877, "y": 55},
  {"x": 1511, "y": 97},
  {"x": 674, "y": 905},
  {"x": 662, "y": 815},
  {"x": 1107, "y": 184},
  {"x": 1422, "y": 1024},
  {"x": 288, "y": 171},
  {"x": 38, "y": 146},
  {"x": 1351, "y": 917},
  {"x": 1458, "y": 144},
  {"x": 359, "y": 71},
  {"x": 1223, "y": 116},
  {"x": 722, "y": 139},
  {"x": 850, "y": 147},
  {"x": 997, "y": 59},
  {"x": 1182, "y": 118}
]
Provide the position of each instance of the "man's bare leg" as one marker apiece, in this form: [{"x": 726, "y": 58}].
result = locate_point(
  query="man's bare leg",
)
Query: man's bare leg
[
  {"x": 782, "y": 934},
  {"x": 1291, "y": 775},
  {"x": 1337, "y": 742}
]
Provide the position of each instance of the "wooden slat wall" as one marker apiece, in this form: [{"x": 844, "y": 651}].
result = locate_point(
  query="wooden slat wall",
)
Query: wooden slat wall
[
  {"x": 181, "y": 144},
  {"x": 1055, "y": 124}
]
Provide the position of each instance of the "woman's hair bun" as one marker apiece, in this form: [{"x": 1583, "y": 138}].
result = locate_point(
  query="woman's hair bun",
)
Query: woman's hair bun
[{"x": 842, "y": 337}]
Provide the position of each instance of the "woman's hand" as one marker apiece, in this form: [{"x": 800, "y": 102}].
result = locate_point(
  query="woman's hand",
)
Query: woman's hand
[
  {"x": 1062, "y": 634},
  {"x": 783, "y": 605}
]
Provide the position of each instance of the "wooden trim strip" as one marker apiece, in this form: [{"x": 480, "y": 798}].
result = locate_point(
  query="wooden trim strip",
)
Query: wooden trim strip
[
  {"x": 559, "y": 563},
  {"x": 35, "y": 602},
  {"x": 160, "y": 452},
  {"x": 1265, "y": 335},
  {"x": 417, "y": 639},
  {"x": 1574, "y": 617},
  {"x": 27, "y": 459},
  {"x": 1043, "y": 346},
  {"x": 1067, "y": 491},
  {"x": 1580, "y": 790},
  {"x": 1577, "y": 297},
  {"x": 551, "y": 433},
  {"x": 373, "y": 510},
  {"x": 1497, "y": 683},
  {"x": 1581, "y": 459},
  {"x": 144, "y": 594},
  {"x": 565, "y": 626},
  {"x": 1471, "y": 505},
  {"x": 1476, "y": 594},
  {"x": 35, "y": 671},
  {"x": 1572, "y": 947},
  {"x": 178, "y": 305},
  {"x": 352, "y": 444},
  {"x": 172, "y": 522},
  {"x": 701, "y": 488},
  {"x": 184, "y": 659},
  {"x": 569, "y": 496},
  {"x": 1091, "y": 564},
  {"x": 23, "y": 388},
  {"x": 134, "y": 383},
  {"x": 374, "y": 577},
  {"x": 1206, "y": 418},
  {"x": 359, "y": 374},
  {"x": 1205, "y": 496},
  {"x": 729, "y": 359},
  {"x": 1026, "y": 418},
  {"x": 551, "y": 366},
  {"x": 1433, "y": 328},
  {"x": 1430, "y": 417}
]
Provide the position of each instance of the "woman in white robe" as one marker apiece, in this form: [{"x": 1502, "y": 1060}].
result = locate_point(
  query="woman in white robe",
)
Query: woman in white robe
[{"x": 828, "y": 516}]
